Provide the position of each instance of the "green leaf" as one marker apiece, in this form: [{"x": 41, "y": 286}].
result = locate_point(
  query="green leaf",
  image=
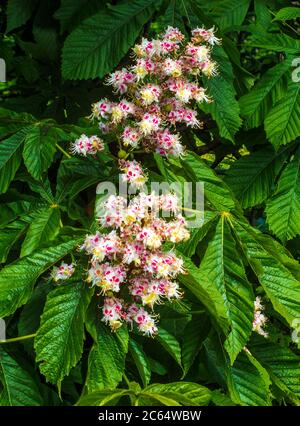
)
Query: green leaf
[
  {"x": 248, "y": 382},
  {"x": 141, "y": 361},
  {"x": 262, "y": 14},
  {"x": 39, "y": 149},
  {"x": 215, "y": 190},
  {"x": 194, "y": 334},
  {"x": 205, "y": 291},
  {"x": 10, "y": 158},
  {"x": 107, "y": 358},
  {"x": 271, "y": 87},
  {"x": 75, "y": 175},
  {"x": 10, "y": 210},
  {"x": 20, "y": 388},
  {"x": 98, "y": 44},
  {"x": 281, "y": 286},
  {"x": 30, "y": 316},
  {"x": 287, "y": 13},
  {"x": 156, "y": 399},
  {"x": 277, "y": 42},
  {"x": 282, "y": 124},
  {"x": 275, "y": 249},
  {"x": 178, "y": 393},
  {"x": 283, "y": 208},
  {"x": 170, "y": 344},
  {"x": 174, "y": 14},
  {"x": 18, "y": 12},
  {"x": 73, "y": 12},
  {"x": 224, "y": 108},
  {"x": 11, "y": 121},
  {"x": 229, "y": 13},
  {"x": 44, "y": 228},
  {"x": 42, "y": 187},
  {"x": 282, "y": 365},
  {"x": 252, "y": 176},
  {"x": 59, "y": 340},
  {"x": 219, "y": 399},
  {"x": 9, "y": 236},
  {"x": 225, "y": 271},
  {"x": 17, "y": 280},
  {"x": 101, "y": 398},
  {"x": 189, "y": 247}
]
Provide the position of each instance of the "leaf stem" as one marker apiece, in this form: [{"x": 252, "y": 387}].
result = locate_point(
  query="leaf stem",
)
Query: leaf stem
[
  {"x": 63, "y": 151},
  {"x": 18, "y": 339},
  {"x": 126, "y": 380},
  {"x": 284, "y": 23}
]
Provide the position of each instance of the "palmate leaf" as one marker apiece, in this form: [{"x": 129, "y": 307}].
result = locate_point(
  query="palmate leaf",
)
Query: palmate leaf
[
  {"x": 283, "y": 208},
  {"x": 281, "y": 286},
  {"x": 97, "y": 45},
  {"x": 246, "y": 380},
  {"x": 39, "y": 149},
  {"x": 199, "y": 284},
  {"x": 20, "y": 387},
  {"x": 106, "y": 361},
  {"x": 225, "y": 271},
  {"x": 251, "y": 177},
  {"x": 10, "y": 158},
  {"x": 59, "y": 340},
  {"x": 171, "y": 394},
  {"x": 282, "y": 365},
  {"x": 215, "y": 190},
  {"x": 44, "y": 228},
  {"x": 256, "y": 104},
  {"x": 188, "y": 248},
  {"x": 282, "y": 124},
  {"x": 17, "y": 280}
]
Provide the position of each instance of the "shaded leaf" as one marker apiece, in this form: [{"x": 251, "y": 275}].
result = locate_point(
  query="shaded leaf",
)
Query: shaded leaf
[{"x": 20, "y": 388}]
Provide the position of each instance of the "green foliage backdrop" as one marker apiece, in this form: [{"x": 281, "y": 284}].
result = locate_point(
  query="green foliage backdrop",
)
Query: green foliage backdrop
[{"x": 248, "y": 156}]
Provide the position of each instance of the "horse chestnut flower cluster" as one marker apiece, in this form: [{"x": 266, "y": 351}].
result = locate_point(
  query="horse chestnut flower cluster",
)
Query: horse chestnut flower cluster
[
  {"x": 158, "y": 92},
  {"x": 260, "y": 319},
  {"x": 129, "y": 265}
]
